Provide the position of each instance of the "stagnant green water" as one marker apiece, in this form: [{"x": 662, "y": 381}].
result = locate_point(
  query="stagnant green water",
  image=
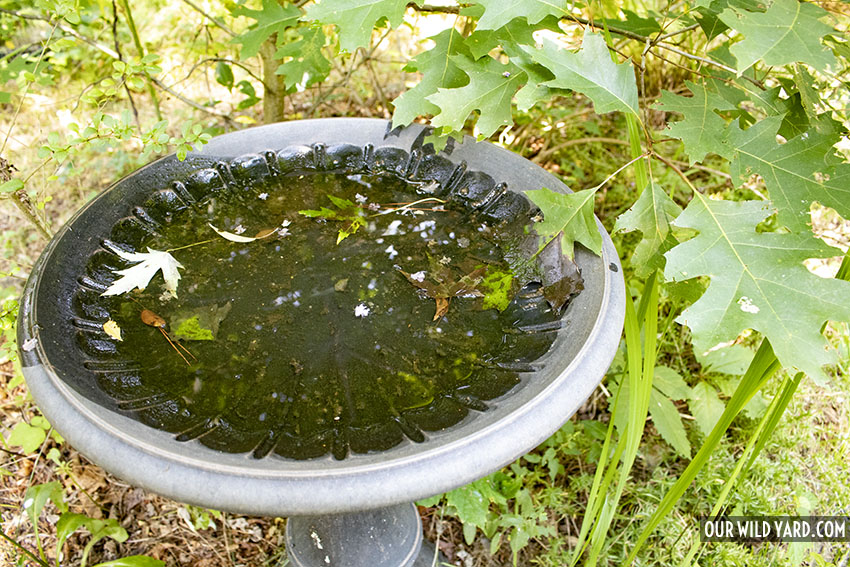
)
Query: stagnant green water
[{"x": 306, "y": 347}]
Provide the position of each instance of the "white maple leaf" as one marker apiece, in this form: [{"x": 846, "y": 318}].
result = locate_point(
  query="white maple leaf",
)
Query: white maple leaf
[{"x": 140, "y": 275}]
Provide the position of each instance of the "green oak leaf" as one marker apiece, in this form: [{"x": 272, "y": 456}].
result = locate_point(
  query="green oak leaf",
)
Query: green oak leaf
[
  {"x": 516, "y": 32},
  {"x": 668, "y": 423},
  {"x": 702, "y": 130},
  {"x": 568, "y": 215},
  {"x": 635, "y": 23},
  {"x": 795, "y": 173},
  {"x": 809, "y": 97},
  {"x": 651, "y": 214},
  {"x": 440, "y": 71},
  {"x": 592, "y": 72},
  {"x": 356, "y": 20},
  {"x": 490, "y": 91},
  {"x": 304, "y": 63},
  {"x": 270, "y": 19},
  {"x": 498, "y": 13},
  {"x": 757, "y": 281},
  {"x": 788, "y": 32}
]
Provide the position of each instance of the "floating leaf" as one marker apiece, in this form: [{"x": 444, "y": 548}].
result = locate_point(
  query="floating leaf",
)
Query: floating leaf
[
  {"x": 112, "y": 329},
  {"x": 348, "y": 212},
  {"x": 758, "y": 281},
  {"x": 497, "y": 287},
  {"x": 233, "y": 237},
  {"x": 198, "y": 323},
  {"x": 441, "y": 284},
  {"x": 140, "y": 275},
  {"x": 789, "y": 31}
]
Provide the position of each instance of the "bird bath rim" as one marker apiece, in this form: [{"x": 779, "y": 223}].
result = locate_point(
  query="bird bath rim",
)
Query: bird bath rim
[{"x": 274, "y": 486}]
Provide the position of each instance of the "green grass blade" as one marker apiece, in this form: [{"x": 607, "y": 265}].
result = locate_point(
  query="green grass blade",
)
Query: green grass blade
[
  {"x": 755, "y": 444},
  {"x": 640, "y": 387},
  {"x": 763, "y": 366}
]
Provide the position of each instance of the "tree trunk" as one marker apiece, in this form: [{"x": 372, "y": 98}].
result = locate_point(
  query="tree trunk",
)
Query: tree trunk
[{"x": 274, "y": 94}]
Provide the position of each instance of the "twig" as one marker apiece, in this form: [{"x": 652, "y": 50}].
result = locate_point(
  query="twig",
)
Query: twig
[
  {"x": 121, "y": 58},
  {"x": 676, "y": 50},
  {"x": 225, "y": 60},
  {"x": 141, "y": 50},
  {"x": 26, "y": 90},
  {"x": 436, "y": 9},
  {"x": 218, "y": 23},
  {"x": 678, "y": 171},
  {"x": 545, "y": 154},
  {"x": 191, "y": 102},
  {"x": 350, "y": 71},
  {"x": 677, "y": 32}
]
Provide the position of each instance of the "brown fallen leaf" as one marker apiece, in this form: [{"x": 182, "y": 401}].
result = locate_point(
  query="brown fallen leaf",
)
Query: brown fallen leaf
[{"x": 442, "y": 307}]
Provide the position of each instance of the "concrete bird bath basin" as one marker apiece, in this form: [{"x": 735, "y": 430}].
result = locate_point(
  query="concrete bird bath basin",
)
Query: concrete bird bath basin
[{"x": 346, "y": 485}]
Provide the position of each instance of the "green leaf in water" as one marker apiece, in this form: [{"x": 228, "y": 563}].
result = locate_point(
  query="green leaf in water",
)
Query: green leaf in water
[
  {"x": 497, "y": 287},
  {"x": 348, "y": 212},
  {"x": 199, "y": 323}
]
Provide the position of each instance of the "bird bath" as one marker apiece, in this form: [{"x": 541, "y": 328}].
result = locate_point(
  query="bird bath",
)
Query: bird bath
[{"x": 393, "y": 390}]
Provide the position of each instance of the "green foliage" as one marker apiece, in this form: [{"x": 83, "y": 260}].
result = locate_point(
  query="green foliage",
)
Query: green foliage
[
  {"x": 669, "y": 386},
  {"x": 490, "y": 90},
  {"x": 271, "y": 19},
  {"x": 796, "y": 173},
  {"x": 440, "y": 71},
  {"x": 590, "y": 71},
  {"x": 498, "y": 14},
  {"x": 652, "y": 215},
  {"x": 568, "y": 218},
  {"x": 500, "y": 506},
  {"x": 35, "y": 500},
  {"x": 758, "y": 281},
  {"x": 787, "y": 32},
  {"x": 355, "y": 20},
  {"x": 702, "y": 131},
  {"x": 304, "y": 63}
]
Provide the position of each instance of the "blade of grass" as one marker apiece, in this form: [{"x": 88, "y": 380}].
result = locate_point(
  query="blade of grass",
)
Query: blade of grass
[
  {"x": 763, "y": 366},
  {"x": 601, "y": 506},
  {"x": 755, "y": 444},
  {"x": 640, "y": 387}
]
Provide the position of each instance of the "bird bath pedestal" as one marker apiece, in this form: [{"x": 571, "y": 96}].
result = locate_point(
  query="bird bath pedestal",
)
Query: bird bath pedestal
[{"x": 346, "y": 506}]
